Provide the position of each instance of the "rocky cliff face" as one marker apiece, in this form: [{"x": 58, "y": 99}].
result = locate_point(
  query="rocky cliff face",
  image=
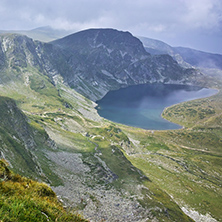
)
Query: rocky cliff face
[{"x": 18, "y": 140}]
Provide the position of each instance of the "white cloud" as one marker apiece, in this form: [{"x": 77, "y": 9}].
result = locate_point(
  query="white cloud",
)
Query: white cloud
[
  {"x": 202, "y": 13},
  {"x": 161, "y": 19}
]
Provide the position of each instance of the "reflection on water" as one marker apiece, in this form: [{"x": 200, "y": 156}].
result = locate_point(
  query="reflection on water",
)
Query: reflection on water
[{"x": 142, "y": 105}]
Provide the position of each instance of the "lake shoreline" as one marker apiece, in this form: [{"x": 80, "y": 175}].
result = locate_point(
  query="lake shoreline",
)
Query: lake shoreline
[
  {"x": 183, "y": 127},
  {"x": 142, "y": 106}
]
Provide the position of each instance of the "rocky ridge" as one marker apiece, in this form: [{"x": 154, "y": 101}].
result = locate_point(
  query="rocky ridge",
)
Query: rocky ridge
[
  {"x": 107, "y": 59},
  {"x": 186, "y": 57}
]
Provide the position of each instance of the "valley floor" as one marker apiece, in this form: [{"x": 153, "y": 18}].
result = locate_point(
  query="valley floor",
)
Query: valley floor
[{"x": 108, "y": 171}]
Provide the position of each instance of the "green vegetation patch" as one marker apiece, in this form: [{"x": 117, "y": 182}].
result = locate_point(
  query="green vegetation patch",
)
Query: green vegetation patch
[
  {"x": 22, "y": 199},
  {"x": 111, "y": 132},
  {"x": 196, "y": 112}
]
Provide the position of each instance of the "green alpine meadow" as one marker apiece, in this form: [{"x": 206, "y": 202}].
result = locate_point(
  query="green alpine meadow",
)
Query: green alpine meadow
[{"x": 61, "y": 161}]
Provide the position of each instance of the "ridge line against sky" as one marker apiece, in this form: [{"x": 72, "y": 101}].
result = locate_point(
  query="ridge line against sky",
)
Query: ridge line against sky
[{"x": 190, "y": 23}]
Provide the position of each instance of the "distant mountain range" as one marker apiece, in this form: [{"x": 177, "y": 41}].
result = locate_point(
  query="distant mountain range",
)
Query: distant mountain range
[
  {"x": 43, "y": 34},
  {"x": 184, "y": 56}
]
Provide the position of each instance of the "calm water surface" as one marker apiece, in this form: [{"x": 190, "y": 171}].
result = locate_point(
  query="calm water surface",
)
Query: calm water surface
[{"x": 141, "y": 105}]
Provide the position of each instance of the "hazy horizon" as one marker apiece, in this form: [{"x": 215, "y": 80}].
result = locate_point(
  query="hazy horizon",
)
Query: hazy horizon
[{"x": 194, "y": 24}]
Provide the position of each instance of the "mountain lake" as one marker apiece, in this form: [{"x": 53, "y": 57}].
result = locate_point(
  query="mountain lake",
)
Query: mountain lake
[{"x": 141, "y": 105}]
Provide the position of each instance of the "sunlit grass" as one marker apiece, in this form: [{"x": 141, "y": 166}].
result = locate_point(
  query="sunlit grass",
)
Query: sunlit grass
[{"x": 22, "y": 199}]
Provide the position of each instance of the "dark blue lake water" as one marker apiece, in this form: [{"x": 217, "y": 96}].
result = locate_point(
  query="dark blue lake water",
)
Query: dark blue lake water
[{"x": 141, "y": 105}]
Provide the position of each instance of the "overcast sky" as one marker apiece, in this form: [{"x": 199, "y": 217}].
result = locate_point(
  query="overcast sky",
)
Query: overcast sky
[{"x": 191, "y": 23}]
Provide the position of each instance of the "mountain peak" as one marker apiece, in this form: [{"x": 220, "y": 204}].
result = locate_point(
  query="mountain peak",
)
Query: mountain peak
[
  {"x": 107, "y": 38},
  {"x": 107, "y": 59}
]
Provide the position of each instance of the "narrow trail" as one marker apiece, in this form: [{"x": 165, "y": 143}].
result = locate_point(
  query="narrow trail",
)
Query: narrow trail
[{"x": 199, "y": 150}]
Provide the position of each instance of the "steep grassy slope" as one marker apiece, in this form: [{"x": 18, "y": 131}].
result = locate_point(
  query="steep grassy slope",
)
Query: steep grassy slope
[
  {"x": 23, "y": 199},
  {"x": 22, "y": 142}
]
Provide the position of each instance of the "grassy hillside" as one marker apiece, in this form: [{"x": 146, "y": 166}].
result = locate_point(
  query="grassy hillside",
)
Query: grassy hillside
[
  {"x": 23, "y": 199},
  {"x": 185, "y": 163},
  {"x": 69, "y": 146}
]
